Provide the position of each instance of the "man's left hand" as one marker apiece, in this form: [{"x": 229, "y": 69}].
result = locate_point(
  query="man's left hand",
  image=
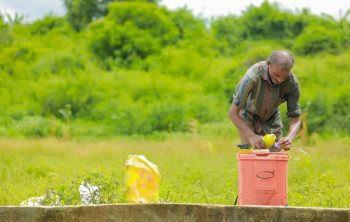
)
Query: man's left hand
[{"x": 286, "y": 143}]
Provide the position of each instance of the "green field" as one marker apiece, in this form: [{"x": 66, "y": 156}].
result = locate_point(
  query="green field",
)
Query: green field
[
  {"x": 194, "y": 169},
  {"x": 81, "y": 92}
]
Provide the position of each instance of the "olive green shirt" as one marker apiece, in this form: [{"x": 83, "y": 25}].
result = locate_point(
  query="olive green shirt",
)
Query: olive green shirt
[{"x": 258, "y": 95}]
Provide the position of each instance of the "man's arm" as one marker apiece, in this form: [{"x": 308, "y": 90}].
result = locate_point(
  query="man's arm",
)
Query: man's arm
[
  {"x": 294, "y": 126},
  {"x": 255, "y": 140}
]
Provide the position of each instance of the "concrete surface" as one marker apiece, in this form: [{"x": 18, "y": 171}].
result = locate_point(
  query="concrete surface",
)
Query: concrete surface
[{"x": 171, "y": 212}]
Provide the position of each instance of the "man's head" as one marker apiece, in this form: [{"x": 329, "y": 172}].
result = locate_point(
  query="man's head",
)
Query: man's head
[{"x": 280, "y": 64}]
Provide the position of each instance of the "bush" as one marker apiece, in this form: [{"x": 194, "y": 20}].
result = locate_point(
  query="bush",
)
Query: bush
[
  {"x": 189, "y": 63},
  {"x": 46, "y": 24},
  {"x": 318, "y": 114},
  {"x": 268, "y": 21},
  {"x": 68, "y": 99},
  {"x": 340, "y": 118},
  {"x": 37, "y": 126},
  {"x": 5, "y": 38},
  {"x": 168, "y": 117},
  {"x": 316, "y": 38},
  {"x": 82, "y": 12},
  {"x": 189, "y": 27},
  {"x": 131, "y": 32},
  {"x": 57, "y": 63},
  {"x": 228, "y": 30},
  {"x": 14, "y": 59}
]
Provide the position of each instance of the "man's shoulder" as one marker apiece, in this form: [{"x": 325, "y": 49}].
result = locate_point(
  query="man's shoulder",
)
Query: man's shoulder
[
  {"x": 257, "y": 69},
  {"x": 292, "y": 79},
  {"x": 291, "y": 83}
]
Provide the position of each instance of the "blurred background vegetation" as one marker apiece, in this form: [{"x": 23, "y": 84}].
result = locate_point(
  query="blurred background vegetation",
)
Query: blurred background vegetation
[{"x": 120, "y": 68}]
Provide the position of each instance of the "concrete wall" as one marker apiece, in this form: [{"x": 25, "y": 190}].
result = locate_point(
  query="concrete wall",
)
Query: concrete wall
[{"x": 171, "y": 212}]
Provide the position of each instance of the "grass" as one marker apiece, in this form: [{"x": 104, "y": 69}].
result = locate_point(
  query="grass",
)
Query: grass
[{"x": 194, "y": 169}]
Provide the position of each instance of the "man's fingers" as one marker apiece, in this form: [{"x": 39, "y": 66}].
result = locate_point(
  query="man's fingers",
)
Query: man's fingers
[
  {"x": 259, "y": 146},
  {"x": 287, "y": 145},
  {"x": 283, "y": 141},
  {"x": 286, "y": 148}
]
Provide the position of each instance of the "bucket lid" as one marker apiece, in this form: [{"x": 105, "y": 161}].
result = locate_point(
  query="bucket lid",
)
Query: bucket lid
[{"x": 265, "y": 156}]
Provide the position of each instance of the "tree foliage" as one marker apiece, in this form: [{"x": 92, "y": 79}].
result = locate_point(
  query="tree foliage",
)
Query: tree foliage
[
  {"x": 46, "y": 24},
  {"x": 136, "y": 67},
  {"x": 189, "y": 27},
  {"x": 4, "y": 32},
  {"x": 82, "y": 12},
  {"x": 228, "y": 30},
  {"x": 316, "y": 38},
  {"x": 131, "y": 32}
]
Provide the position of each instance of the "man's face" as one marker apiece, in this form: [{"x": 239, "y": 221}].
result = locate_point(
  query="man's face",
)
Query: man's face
[{"x": 277, "y": 75}]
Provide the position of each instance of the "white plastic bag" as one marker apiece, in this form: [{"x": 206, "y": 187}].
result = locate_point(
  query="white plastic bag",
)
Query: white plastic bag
[
  {"x": 89, "y": 194},
  {"x": 48, "y": 199}
]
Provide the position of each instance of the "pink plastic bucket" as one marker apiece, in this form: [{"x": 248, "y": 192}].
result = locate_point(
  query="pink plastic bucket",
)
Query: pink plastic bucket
[{"x": 263, "y": 179}]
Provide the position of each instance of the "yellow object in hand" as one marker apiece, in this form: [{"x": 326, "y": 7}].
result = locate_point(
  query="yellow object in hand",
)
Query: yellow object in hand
[{"x": 269, "y": 140}]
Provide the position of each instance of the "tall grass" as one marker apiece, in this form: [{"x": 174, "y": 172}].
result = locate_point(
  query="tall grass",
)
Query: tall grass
[{"x": 194, "y": 169}]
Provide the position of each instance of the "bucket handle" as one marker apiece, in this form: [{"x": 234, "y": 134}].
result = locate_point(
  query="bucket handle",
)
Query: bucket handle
[{"x": 265, "y": 174}]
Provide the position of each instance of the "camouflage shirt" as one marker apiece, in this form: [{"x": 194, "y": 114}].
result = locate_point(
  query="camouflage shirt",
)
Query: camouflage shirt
[{"x": 259, "y": 96}]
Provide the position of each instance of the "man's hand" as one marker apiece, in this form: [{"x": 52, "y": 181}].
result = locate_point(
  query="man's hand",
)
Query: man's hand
[
  {"x": 286, "y": 143},
  {"x": 294, "y": 125},
  {"x": 256, "y": 141}
]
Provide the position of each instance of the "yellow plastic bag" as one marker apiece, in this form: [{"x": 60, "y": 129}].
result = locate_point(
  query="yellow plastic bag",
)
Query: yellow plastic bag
[{"x": 142, "y": 180}]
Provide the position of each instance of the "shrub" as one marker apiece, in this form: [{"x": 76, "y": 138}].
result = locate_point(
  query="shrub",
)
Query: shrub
[
  {"x": 228, "y": 30},
  {"x": 37, "y": 126},
  {"x": 340, "y": 118},
  {"x": 57, "y": 63},
  {"x": 319, "y": 113},
  {"x": 81, "y": 12},
  {"x": 316, "y": 38},
  {"x": 131, "y": 32},
  {"x": 168, "y": 117},
  {"x": 267, "y": 21},
  {"x": 68, "y": 99},
  {"x": 5, "y": 37},
  {"x": 189, "y": 27},
  {"x": 46, "y": 24},
  {"x": 14, "y": 59}
]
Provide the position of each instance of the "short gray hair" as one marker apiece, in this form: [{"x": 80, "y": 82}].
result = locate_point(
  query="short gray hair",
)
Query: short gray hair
[{"x": 281, "y": 58}]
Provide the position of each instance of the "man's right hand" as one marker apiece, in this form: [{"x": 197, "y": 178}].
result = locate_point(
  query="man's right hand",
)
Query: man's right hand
[{"x": 256, "y": 141}]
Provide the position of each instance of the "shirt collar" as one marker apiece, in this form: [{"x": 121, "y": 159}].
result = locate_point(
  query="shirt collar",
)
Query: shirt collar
[{"x": 263, "y": 70}]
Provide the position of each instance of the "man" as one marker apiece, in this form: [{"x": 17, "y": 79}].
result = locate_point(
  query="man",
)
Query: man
[{"x": 262, "y": 89}]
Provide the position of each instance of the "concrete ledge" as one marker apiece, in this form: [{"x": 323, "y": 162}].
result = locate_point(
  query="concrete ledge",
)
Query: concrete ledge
[{"x": 171, "y": 212}]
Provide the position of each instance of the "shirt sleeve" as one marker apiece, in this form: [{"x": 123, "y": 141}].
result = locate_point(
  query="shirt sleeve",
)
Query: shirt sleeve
[
  {"x": 293, "y": 107},
  {"x": 243, "y": 89}
]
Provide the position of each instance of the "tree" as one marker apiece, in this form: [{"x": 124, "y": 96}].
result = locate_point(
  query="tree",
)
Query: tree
[
  {"x": 5, "y": 37},
  {"x": 82, "y": 12},
  {"x": 229, "y": 31},
  {"x": 316, "y": 38},
  {"x": 131, "y": 31},
  {"x": 188, "y": 25},
  {"x": 267, "y": 21},
  {"x": 16, "y": 19},
  {"x": 46, "y": 24}
]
